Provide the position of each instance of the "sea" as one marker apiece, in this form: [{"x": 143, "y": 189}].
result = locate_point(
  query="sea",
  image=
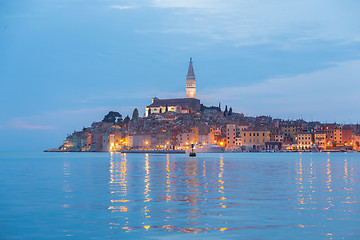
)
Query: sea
[{"x": 174, "y": 196}]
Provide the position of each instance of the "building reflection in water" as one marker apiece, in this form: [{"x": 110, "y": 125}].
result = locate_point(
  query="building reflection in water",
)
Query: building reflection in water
[
  {"x": 325, "y": 186},
  {"x": 67, "y": 187},
  {"x": 118, "y": 190},
  {"x": 221, "y": 189},
  {"x": 168, "y": 181},
  {"x": 146, "y": 210},
  {"x": 329, "y": 184},
  {"x": 174, "y": 195},
  {"x": 192, "y": 193}
]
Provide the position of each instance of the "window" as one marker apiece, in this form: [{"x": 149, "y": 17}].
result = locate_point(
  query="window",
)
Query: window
[
  {"x": 263, "y": 134},
  {"x": 257, "y": 134},
  {"x": 250, "y": 134},
  {"x": 244, "y": 134}
]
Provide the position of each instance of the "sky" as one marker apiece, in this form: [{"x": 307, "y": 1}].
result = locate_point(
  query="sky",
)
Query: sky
[{"x": 64, "y": 64}]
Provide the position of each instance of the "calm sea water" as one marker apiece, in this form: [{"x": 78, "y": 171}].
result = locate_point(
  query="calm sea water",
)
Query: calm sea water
[{"x": 212, "y": 196}]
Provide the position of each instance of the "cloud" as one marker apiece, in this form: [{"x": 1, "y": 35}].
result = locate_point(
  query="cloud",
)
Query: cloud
[
  {"x": 55, "y": 119},
  {"x": 329, "y": 95},
  {"x": 20, "y": 124},
  {"x": 261, "y": 21},
  {"x": 121, "y": 7}
]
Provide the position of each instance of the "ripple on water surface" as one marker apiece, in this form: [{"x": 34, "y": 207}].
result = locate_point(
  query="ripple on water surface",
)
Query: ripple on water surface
[{"x": 244, "y": 195}]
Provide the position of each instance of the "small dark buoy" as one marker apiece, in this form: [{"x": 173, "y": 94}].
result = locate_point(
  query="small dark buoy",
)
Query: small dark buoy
[{"x": 192, "y": 154}]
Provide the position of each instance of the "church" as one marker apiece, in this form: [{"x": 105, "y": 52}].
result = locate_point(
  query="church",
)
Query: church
[{"x": 178, "y": 105}]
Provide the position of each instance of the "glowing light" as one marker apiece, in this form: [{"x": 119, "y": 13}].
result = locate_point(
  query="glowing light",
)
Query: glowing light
[
  {"x": 146, "y": 142},
  {"x": 147, "y": 227},
  {"x": 221, "y": 144}
]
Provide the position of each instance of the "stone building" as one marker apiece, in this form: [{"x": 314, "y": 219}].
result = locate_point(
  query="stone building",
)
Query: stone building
[{"x": 179, "y": 105}]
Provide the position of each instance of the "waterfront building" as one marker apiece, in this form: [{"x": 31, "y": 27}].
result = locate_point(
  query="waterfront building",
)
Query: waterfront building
[
  {"x": 255, "y": 139},
  {"x": 289, "y": 131},
  {"x": 320, "y": 140},
  {"x": 231, "y": 136},
  {"x": 185, "y": 139},
  {"x": 329, "y": 130},
  {"x": 347, "y": 135},
  {"x": 139, "y": 141},
  {"x": 276, "y": 137},
  {"x": 304, "y": 140},
  {"x": 338, "y": 135}
]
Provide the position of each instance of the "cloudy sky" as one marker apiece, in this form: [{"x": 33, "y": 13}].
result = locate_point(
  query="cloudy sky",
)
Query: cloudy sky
[{"x": 65, "y": 63}]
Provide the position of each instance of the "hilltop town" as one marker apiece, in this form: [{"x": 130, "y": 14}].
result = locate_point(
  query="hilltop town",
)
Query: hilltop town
[{"x": 175, "y": 124}]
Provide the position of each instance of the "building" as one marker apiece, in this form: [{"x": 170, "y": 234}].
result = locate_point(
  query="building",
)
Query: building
[
  {"x": 276, "y": 137},
  {"x": 304, "y": 140},
  {"x": 338, "y": 135},
  {"x": 190, "y": 82},
  {"x": 179, "y": 105},
  {"x": 233, "y": 135},
  {"x": 255, "y": 139},
  {"x": 289, "y": 131},
  {"x": 320, "y": 140}
]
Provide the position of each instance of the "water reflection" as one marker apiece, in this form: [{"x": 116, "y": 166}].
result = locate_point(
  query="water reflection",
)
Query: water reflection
[
  {"x": 193, "y": 195},
  {"x": 118, "y": 190},
  {"x": 67, "y": 187},
  {"x": 325, "y": 190}
]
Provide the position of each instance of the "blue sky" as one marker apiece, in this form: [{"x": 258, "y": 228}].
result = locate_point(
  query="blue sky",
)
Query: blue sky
[{"x": 65, "y": 64}]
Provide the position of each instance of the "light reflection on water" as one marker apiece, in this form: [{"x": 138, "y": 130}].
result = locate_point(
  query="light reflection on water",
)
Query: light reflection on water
[
  {"x": 200, "y": 198},
  {"x": 246, "y": 196}
]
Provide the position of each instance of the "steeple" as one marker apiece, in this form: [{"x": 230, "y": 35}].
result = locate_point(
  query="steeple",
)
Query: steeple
[
  {"x": 190, "y": 70},
  {"x": 190, "y": 82}
]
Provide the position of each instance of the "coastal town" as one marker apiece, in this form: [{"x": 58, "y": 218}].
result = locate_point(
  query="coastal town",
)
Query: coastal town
[{"x": 177, "y": 125}]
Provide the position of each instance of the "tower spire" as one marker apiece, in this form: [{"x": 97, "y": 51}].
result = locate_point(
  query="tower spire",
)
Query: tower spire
[{"x": 190, "y": 70}]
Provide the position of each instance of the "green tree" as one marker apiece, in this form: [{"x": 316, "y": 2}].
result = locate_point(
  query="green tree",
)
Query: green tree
[
  {"x": 149, "y": 112},
  {"x": 126, "y": 120},
  {"x": 112, "y": 117},
  {"x": 135, "y": 114},
  {"x": 226, "y": 111},
  {"x": 230, "y": 111},
  {"x": 166, "y": 108}
]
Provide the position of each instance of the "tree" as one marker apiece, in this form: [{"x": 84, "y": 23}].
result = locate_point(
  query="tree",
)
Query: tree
[
  {"x": 135, "y": 114},
  {"x": 126, "y": 120},
  {"x": 166, "y": 108},
  {"x": 226, "y": 111},
  {"x": 119, "y": 121},
  {"x": 219, "y": 106},
  {"x": 230, "y": 111},
  {"x": 149, "y": 111},
  {"x": 160, "y": 110},
  {"x": 112, "y": 117}
]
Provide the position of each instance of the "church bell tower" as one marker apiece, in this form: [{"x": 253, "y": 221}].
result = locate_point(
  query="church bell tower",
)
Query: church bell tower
[{"x": 190, "y": 82}]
